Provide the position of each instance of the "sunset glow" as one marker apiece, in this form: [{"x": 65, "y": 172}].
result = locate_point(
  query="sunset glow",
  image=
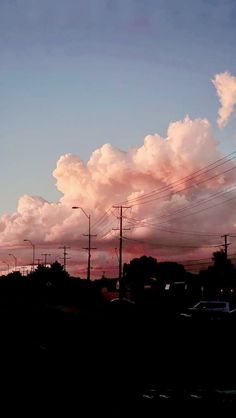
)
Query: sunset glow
[
  {"x": 177, "y": 188},
  {"x": 122, "y": 105}
]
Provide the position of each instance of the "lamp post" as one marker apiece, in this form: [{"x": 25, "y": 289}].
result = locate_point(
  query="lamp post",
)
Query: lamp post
[
  {"x": 33, "y": 246},
  {"x": 8, "y": 267},
  {"x": 89, "y": 235},
  {"x": 15, "y": 259}
]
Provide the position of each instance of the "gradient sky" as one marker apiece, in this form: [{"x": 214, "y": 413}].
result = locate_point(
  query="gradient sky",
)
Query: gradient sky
[{"x": 76, "y": 74}]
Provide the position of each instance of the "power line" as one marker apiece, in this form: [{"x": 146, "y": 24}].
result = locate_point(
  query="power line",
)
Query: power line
[
  {"x": 233, "y": 255},
  {"x": 197, "y": 174},
  {"x": 145, "y": 224},
  {"x": 195, "y": 204},
  {"x": 184, "y": 188},
  {"x": 199, "y": 211},
  {"x": 159, "y": 244},
  {"x": 185, "y": 179},
  {"x": 108, "y": 231},
  {"x": 102, "y": 218},
  {"x": 192, "y": 176}
]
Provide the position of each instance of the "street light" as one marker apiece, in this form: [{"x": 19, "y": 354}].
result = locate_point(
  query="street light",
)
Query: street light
[
  {"x": 89, "y": 235},
  {"x": 8, "y": 267},
  {"x": 33, "y": 246},
  {"x": 12, "y": 255}
]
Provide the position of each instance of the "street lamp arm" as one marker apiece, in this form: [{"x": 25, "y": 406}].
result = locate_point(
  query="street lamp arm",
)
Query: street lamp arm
[
  {"x": 12, "y": 255},
  {"x": 89, "y": 239},
  {"x": 28, "y": 240},
  {"x": 33, "y": 246},
  {"x": 79, "y": 207}
]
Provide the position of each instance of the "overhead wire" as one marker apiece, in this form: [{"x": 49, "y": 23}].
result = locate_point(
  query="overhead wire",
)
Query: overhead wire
[
  {"x": 140, "y": 224},
  {"x": 199, "y": 211},
  {"x": 185, "y": 188},
  {"x": 159, "y": 244},
  {"x": 190, "y": 177},
  {"x": 159, "y": 193},
  {"x": 196, "y": 204},
  {"x": 102, "y": 218}
]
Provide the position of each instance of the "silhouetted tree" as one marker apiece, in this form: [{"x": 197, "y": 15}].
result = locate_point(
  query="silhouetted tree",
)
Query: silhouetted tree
[
  {"x": 222, "y": 263},
  {"x": 169, "y": 271},
  {"x": 57, "y": 268},
  {"x": 138, "y": 273},
  {"x": 222, "y": 274},
  {"x": 140, "y": 270}
]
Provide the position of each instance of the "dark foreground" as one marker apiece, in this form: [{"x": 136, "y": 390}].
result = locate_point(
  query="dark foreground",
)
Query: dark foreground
[{"x": 115, "y": 362}]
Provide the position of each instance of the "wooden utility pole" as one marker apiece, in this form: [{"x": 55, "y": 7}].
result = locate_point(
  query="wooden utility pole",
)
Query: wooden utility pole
[
  {"x": 89, "y": 235},
  {"x": 45, "y": 258},
  {"x": 65, "y": 253},
  {"x": 38, "y": 261},
  {"x": 226, "y": 243},
  {"x": 121, "y": 229},
  {"x": 89, "y": 248}
]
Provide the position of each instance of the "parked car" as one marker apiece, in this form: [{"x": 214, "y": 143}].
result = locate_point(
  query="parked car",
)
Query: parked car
[
  {"x": 122, "y": 303},
  {"x": 210, "y": 309},
  {"x": 121, "y": 307}
]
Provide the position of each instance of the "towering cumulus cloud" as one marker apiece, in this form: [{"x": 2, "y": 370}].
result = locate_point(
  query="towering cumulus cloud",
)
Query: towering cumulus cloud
[
  {"x": 225, "y": 85},
  {"x": 112, "y": 176}
]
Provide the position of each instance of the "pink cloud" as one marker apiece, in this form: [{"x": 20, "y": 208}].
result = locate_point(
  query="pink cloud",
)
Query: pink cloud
[{"x": 112, "y": 176}]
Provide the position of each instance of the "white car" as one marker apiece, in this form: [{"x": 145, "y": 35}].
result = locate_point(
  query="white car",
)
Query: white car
[{"x": 210, "y": 309}]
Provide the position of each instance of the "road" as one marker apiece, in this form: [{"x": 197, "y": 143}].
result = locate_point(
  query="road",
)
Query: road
[{"x": 115, "y": 363}]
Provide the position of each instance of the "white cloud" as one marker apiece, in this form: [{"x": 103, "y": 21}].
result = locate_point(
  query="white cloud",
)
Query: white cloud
[{"x": 225, "y": 85}]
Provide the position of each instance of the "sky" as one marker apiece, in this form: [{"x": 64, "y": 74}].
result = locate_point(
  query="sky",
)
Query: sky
[{"x": 77, "y": 75}]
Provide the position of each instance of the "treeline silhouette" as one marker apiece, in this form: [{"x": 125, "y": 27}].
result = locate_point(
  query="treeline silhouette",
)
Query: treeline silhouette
[
  {"x": 46, "y": 285},
  {"x": 146, "y": 273},
  {"x": 141, "y": 276},
  {"x": 76, "y": 349}
]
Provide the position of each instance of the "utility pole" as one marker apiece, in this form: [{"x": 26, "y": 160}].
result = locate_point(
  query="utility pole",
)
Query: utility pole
[
  {"x": 45, "y": 258},
  {"x": 89, "y": 235},
  {"x": 226, "y": 244},
  {"x": 65, "y": 253},
  {"x": 89, "y": 248},
  {"x": 38, "y": 261},
  {"x": 121, "y": 229}
]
